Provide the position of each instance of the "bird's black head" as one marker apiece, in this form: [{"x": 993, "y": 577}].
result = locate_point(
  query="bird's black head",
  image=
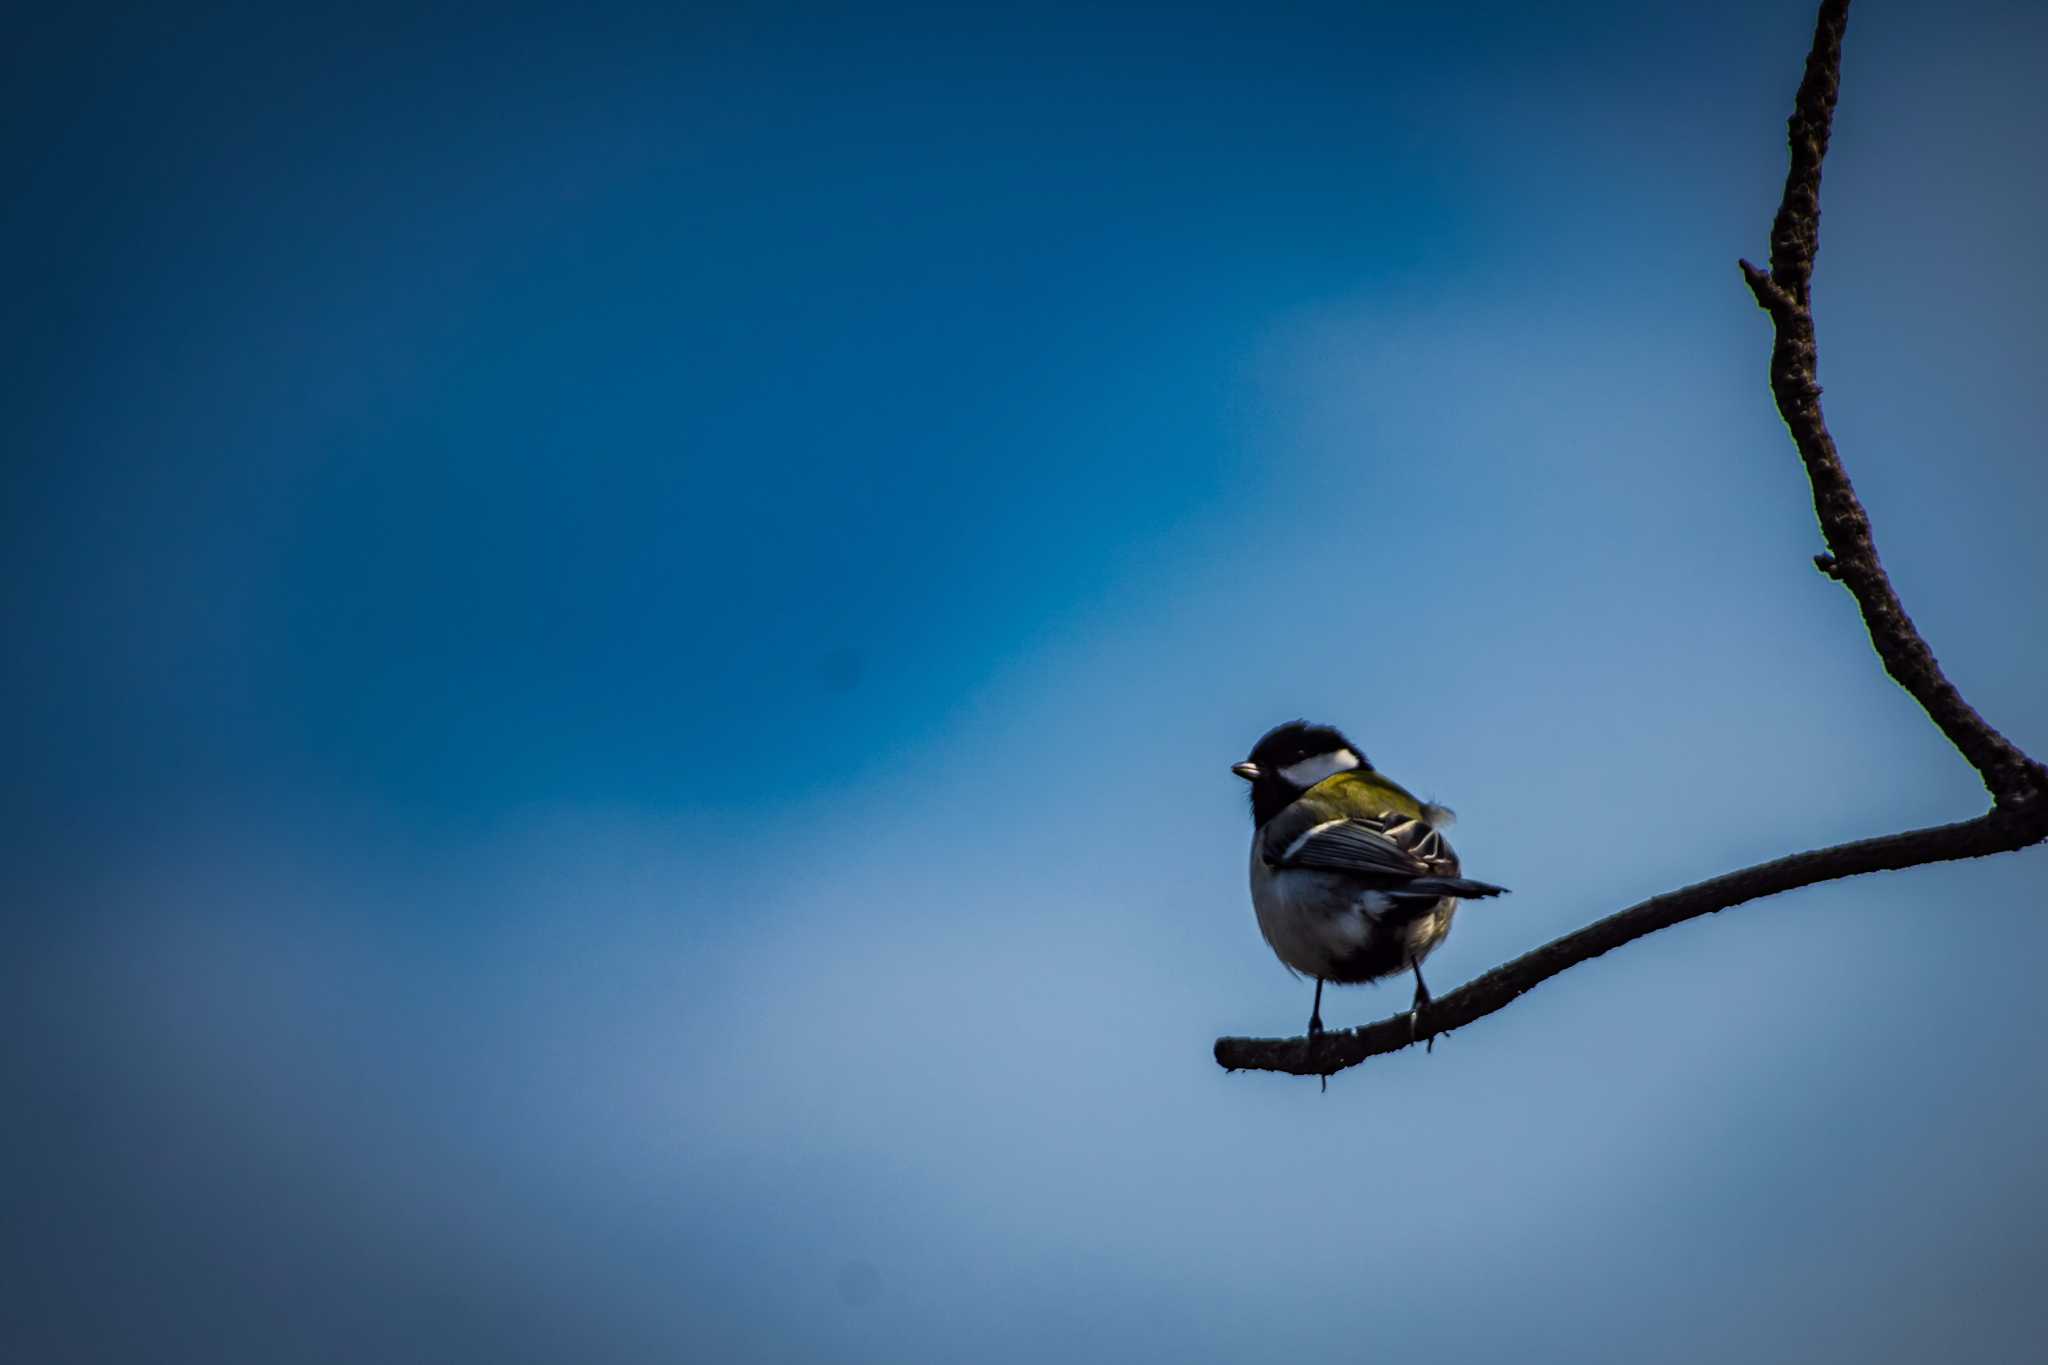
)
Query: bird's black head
[{"x": 1290, "y": 759}]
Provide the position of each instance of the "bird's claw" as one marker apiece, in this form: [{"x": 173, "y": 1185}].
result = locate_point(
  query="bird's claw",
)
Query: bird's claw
[{"x": 1415, "y": 1033}]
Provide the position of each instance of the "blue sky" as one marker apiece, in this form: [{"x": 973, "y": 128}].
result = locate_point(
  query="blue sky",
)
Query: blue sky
[{"x": 628, "y": 627}]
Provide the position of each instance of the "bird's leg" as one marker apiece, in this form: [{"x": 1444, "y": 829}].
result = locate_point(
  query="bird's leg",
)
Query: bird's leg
[
  {"x": 1422, "y": 1000},
  {"x": 1315, "y": 1012}
]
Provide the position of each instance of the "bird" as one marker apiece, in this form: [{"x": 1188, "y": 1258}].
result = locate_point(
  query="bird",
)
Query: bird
[{"x": 1351, "y": 876}]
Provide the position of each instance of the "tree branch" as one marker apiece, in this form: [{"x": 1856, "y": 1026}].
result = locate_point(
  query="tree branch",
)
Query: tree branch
[
  {"x": 1333, "y": 1052},
  {"x": 2017, "y": 783},
  {"x": 1786, "y": 294}
]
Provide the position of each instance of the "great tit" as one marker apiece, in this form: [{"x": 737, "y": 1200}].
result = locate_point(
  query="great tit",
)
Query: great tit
[{"x": 1352, "y": 878}]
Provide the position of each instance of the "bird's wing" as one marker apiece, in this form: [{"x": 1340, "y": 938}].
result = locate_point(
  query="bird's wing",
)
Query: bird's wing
[
  {"x": 1352, "y": 846},
  {"x": 1391, "y": 846},
  {"x": 1336, "y": 832}
]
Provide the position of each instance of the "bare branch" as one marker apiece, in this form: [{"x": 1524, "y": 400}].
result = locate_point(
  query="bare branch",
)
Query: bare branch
[
  {"x": 2018, "y": 784},
  {"x": 1786, "y": 294},
  {"x": 1476, "y": 999}
]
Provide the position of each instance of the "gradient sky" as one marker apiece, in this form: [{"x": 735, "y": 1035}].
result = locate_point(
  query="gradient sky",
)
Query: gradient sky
[{"x": 626, "y": 627}]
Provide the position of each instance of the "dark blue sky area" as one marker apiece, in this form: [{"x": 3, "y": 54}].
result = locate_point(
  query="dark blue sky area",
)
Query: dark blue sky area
[{"x": 489, "y": 407}]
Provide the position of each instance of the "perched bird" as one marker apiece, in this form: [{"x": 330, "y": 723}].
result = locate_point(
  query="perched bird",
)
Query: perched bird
[{"x": 1351, "y": 876}]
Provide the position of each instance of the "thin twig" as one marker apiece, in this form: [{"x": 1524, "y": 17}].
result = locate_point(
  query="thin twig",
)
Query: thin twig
[{"x": 2018, "y": 784}]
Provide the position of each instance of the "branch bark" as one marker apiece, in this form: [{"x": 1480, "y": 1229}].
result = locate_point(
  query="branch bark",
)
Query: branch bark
[
  {"x": 1785, "y": 292},
  {"x": 2017, "y": 783}
]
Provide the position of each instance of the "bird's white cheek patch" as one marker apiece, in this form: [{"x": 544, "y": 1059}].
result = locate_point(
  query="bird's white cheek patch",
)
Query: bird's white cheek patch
[{"x": 1310, "y": 771}]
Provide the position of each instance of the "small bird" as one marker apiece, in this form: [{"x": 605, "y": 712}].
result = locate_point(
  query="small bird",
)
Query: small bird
[{"x": 1351, "y": 876}]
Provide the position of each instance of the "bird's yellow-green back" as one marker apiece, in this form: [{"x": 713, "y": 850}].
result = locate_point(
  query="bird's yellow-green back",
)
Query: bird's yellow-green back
[{"x": 1362, "y": 792}]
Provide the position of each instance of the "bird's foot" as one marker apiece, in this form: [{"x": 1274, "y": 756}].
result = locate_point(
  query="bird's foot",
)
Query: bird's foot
[{"x": 1415, "y": 1033}]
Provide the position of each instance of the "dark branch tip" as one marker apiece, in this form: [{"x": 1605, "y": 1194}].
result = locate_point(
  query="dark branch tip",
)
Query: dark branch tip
[{"x": 1771, "y": 296}]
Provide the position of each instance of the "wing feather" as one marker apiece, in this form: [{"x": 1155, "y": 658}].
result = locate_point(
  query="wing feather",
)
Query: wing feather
[
  {"x": 1364, "y": 827},
  {"x": 1354, "y": 846}
]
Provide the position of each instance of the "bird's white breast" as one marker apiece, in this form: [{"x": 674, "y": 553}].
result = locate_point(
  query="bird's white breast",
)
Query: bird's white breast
[
  {"x": 1312, "y": 920},
  {"x": 1325, "y": 925}
]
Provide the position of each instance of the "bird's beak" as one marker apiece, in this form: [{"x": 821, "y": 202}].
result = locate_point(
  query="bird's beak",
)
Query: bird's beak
[{"x": 1247, "y": 770}]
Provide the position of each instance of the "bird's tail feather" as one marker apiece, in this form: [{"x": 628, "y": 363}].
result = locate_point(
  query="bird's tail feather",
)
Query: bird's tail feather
[{"x": 1464, "y": 888}]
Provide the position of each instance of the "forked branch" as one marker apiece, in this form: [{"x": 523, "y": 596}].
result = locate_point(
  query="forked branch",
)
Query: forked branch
[{"x": 2017, "y": 783}]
